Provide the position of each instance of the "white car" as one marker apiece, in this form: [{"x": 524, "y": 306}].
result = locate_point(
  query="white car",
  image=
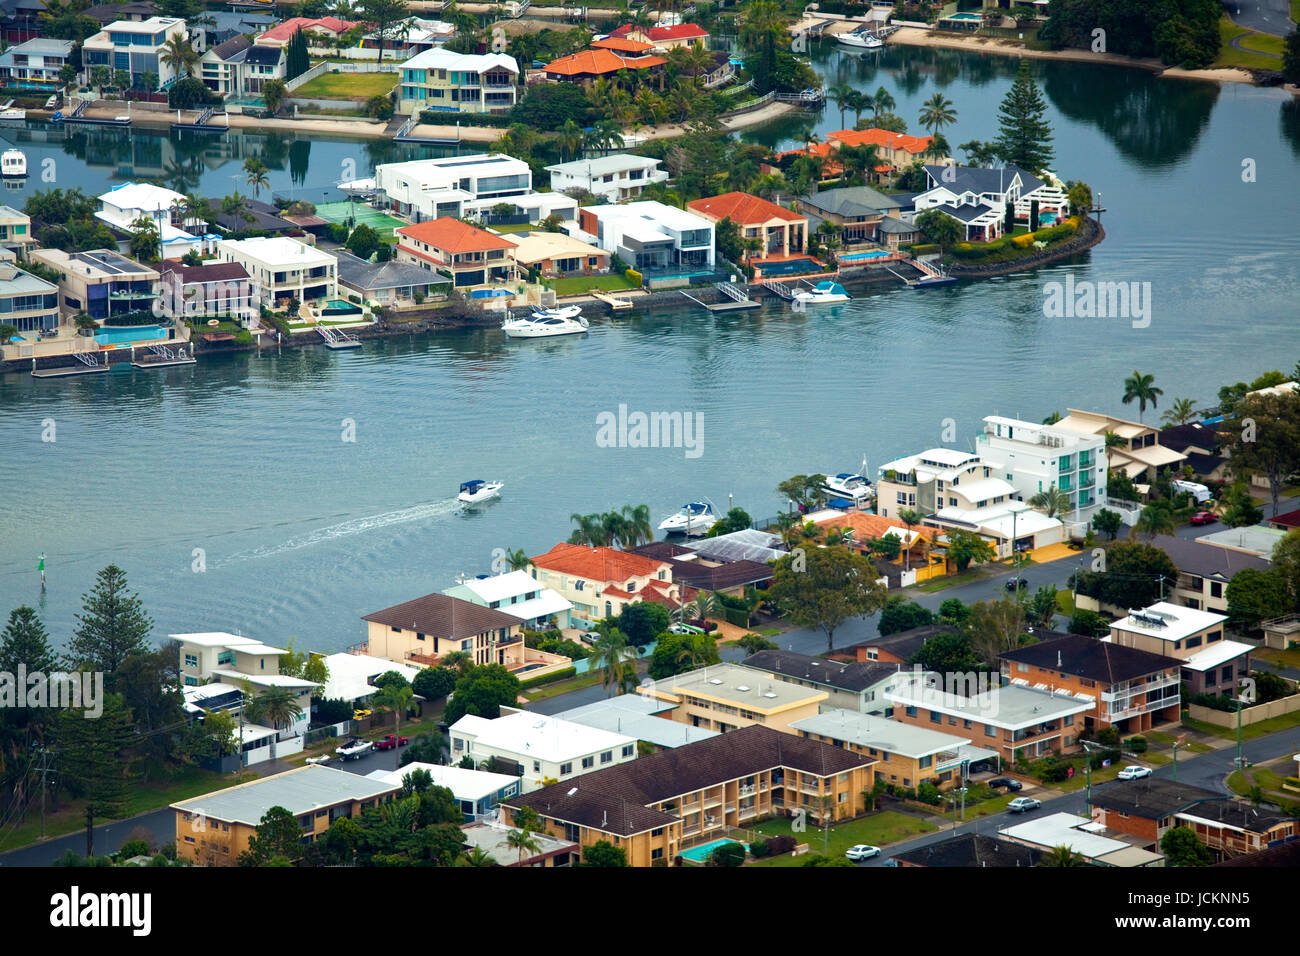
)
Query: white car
[
  {"x": 1023, "y": 804},
  {"x": 863, "y": 851},
  {"x": 685, "y": 629},
  {"x": 1135, "y": 772}
]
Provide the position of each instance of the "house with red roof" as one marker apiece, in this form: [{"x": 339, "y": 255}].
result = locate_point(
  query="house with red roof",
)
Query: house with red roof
[
  {"x": 282, "y": 33},
  {"x": 586, "y": 66},
  {"x": 599, "y": 582},
  {"x": 473, "y": 256},
  {"x": 779, "y": 232},
  {"x": 664, "y": 38}
]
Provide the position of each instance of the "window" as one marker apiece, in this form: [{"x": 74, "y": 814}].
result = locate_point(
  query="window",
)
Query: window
[
  {"x": 588, "y": 763},
  {"x": 1023, "y": 668},
  {"x": 911, "y": 711},
  {"x": 1214, "y": 636},
  {"x": 191, "y": 660},
  {"x": 658, "y": 852},
  {"x": 926, "y": 761},
  {"x": 936, "y": 717},
  {"x": 952, "y": 721},
  {"x": 990, "y": 730},
  {"x": 629, "y": 750},
  {"x": 607, "y": 756},
  {"x": 566, "y": 768},
  {"x": 537, "y": 766},
  {"x": 1216, "y": 589},
  {"x": 966, "y": 724},
  {"x": 1227, "y": 673},
  {"x": 1194, "y": 642}
]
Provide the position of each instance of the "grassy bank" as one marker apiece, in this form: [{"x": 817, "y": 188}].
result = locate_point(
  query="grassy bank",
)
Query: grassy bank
[
  {"x": 877, "y": 829},
  {"x": 1258, "y": 47},
  {"x": 346, "y": 86},
  {"x": 577, "y": 285}
]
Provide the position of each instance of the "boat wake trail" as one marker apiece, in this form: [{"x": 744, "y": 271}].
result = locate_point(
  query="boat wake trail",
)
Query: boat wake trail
[{"x": 345, "y": 529}]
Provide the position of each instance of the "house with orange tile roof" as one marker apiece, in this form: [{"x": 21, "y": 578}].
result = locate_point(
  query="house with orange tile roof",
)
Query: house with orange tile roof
[
  {"x": 920, "y": 547},
  {"x": 585, "y": 66},
  {"x": 599, "y": 582},
  {"x": 896, "y": 151},
  {"x": 666, "y": 37},
  {"x": 778, "y": 231},
  {"x": 282, "y": 33},
  {"x": 623, "y": 45},
  {"x": 473, "y": 256}
]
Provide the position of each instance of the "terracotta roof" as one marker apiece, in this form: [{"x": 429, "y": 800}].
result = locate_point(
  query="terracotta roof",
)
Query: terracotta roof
[
  {"x": 622, "y": 45},
  {"x": 1289, "y": 520},
  {"x": 881, "y": 137},
  {"x": 599, "y": 62},
  {"x": 743, "y": 209},
  {"x": 452, "y": 235},
  {"x": 682, "y": 31},
  {"x": 867, "y": 526},
  {"x": 443, "y": 616},
  {"x": 596, "y": 564},
  {"x": 286, "y": 30}
]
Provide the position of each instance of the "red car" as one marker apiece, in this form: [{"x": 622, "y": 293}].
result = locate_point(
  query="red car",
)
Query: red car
[
  {"x": 1204, "y": 517},
  {"x": 391, "y": 741}
]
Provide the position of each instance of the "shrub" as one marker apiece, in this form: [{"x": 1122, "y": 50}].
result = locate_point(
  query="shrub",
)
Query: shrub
[
  {"x": 729, "y": 854},
  {"x": 1137, "y": 745},
  {"x": 243, "y": 337},
  {"x": 780, "y": 844},
  {"x": 928, "y": 793},
  {"x": 924, "y": 249},
  {"x": 759, "y": 849},
  {"x": 548, "y": 678},
  {"x": 633, "y": 276},
  {"x": 133, "y": 848},
  {"x": 1024, "y": 241}
]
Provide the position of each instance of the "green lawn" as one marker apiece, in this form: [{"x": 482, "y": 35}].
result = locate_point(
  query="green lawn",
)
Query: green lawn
[
  {"x": 1261, "y": 729},
  {"x": 1261, "y": 43},
  {"x": 948, "y": 581},
  {"x": 1279, "y": 658},
  {"x": 346, "y": 86},
  {"x": 577, "y": 285},
  {"x": 561, "y": 687},
  {"x": 878, "y": 829}
]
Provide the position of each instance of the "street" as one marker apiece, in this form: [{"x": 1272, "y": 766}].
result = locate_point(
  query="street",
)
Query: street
[{"x": 1266, "y": 16}]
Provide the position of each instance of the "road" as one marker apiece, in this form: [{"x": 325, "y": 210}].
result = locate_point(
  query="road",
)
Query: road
[{"x": 1266, "y": 16}]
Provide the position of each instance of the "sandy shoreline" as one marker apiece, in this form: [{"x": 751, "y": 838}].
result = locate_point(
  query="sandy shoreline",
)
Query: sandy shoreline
[{"x": 912, "y": 36}]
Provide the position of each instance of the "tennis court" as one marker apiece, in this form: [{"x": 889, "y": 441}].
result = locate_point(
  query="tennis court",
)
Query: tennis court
[{"x": 382, "y": 223}]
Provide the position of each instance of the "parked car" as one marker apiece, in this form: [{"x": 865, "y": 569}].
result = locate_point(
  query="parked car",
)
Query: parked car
[
  {"x": 1022, "y": 804},
  {"x": 360, "y": 714},
  {"x": 1134, "y": 773},
  {"x": 863, "y": 851},
  {"x": 391, "y": 742},
  {"x": 1204, "y": 517},
  {"x": 1006, "y": 783},
  {"x": 1016, "y": 583}
]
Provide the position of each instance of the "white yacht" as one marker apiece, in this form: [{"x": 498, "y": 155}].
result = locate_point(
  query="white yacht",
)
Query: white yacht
[
  {"x": 823, "y": 292},
  {"x": 861, "y": 39},
  {"x": 849, "y": 486},
  {"x": 13, "y": 163},
  {"x": 10, "y": 113},
  {"x": 544, "y": 323},
  {"x": 695, "y": 518},
  {"x": 477, "y": 490}
]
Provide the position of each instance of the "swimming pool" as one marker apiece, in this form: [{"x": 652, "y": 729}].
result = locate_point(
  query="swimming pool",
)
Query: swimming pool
[
  {"x": 700, "y": 854},
  {"x": 130, "y": 333},
  {"x": 488, "y": 293},
  {"x": 341, "y": 307},
  {"x": 965, "y": 16},
  {"x": 861, "y": 256}
]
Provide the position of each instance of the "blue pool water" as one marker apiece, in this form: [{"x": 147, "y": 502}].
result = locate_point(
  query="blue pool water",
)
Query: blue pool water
[
  {"x": 965, "y": 16},
  {"x": 132, "y": 333},
  {"x": 488, "y": 293},
  {"x": 860, "y": 256},
  {"x": 700, "y": 854}
]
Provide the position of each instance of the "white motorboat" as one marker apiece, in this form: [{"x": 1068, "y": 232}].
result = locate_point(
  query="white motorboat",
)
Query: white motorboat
[
  {"x": 358, "y": 187},
  {"x": 10, "y": 113},
  {"x": 477, "y": 490},
  {"x": 13, "y": 163},
  {"x": 823, "y": 292},
  {"x": 695, "y": 518},
  {"x": 546, "y": 323},
  {"x": 861, "y": 39},
  {"x": 852, "y": 487}
]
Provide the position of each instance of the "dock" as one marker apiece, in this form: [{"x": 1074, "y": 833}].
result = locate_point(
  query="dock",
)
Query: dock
[
  {"x": 162, "y": 356},
  {"x": 337, "y": 339},
  {"x": 89, "y": 364},
  {"x": 612, "y": 301},
  {"x": 734, "y": 299}
]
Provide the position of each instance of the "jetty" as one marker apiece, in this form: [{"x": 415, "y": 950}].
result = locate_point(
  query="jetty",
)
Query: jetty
[
  {"x": 88, "y": 364},
  {"x": 162, "y": 356},
  {"x": 612, "y": 301},
  {"x": 732, "y": 298},
  {"x": 337, "y": 339}
]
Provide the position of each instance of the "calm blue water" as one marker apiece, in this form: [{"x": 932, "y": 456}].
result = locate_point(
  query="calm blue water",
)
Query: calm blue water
[{"x": 241, "y": 460}]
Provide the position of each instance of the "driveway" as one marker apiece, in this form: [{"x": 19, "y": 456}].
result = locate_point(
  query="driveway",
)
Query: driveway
[{"x": 1266, "y": 16}]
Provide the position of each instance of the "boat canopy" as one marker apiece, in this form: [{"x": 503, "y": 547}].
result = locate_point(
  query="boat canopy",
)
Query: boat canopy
[{"x": 472, "y": 485}]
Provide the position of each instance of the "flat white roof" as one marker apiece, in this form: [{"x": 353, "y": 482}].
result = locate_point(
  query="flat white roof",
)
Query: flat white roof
[
  {"x": 934, "y": 463},
  {"x": 604, "y": 165},
  {"x": 278, "y": 251},
  {"x": 464, "y": 784},
  {"x": 213, "y": 639},
  {"x": 502, "y": 587},
  {"x": 880, "y": 732},
  {"x": 984, "y": 488},
  {"x": 258, "y": 648},
  {"x": 1012, "y": 707},
  {"x": 267, "y": 680},
  {"x": 1064, "y": 829},
  {"x": 349, "y": 675},
  {"x": 635, "y": 715},
  {"x": 655, "y": 211},
  {"x": 749, "y": 687},
  {"x": 1220, "y": 652},
  {"x": 152, "y": 25},
  {"x": 536, "y": 735},
  {"x": 997, "y": 519},
  {"x": 1179, "y": 621},
  {"x": 1254, "y": 539}
]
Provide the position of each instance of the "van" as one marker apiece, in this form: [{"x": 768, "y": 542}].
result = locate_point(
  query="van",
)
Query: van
[{"x": 1199, "y": 492}]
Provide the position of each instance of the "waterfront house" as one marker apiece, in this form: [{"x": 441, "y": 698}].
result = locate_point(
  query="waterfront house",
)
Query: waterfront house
[
  {"x": 469, "y": 186},
  {"x": 217, "y": 26},
  {"x": 211, "y": 290},
  {"x": 639, "y": 716},
  {"x": 556, "y": 254},
  {"x": 725, "y": 697},
  {"x": 650, "y": 235},
  {"x": 538, "y": 749},
  {"x": 390, "y": 283},
  {"x": 428, "y": 627},
  {"x": 15, "y": 230},
  {"x": 1133, "y": 690},
  {"x": 494, "y": 840},
  {"x": 978, "y": 197},
  {"x": 330, "y": 28},
  {"x": 778, "y": 232},
  {"x": 136, "y": 47},
  {"x": 238, "y": 67},
  {"x": 127, "y": 203},
  {"x": 1141, "y": 455},
  {"x": 100, "y": 282},
  {"x": 587, "y": 66},
  {"x": 655, "y": 807},
  {"x": 253, "y": 216},
  {"x": 613, "y": 178},
  {"x": 895, "y": 151},
  {"x": 622, "y": 46},
  {"x": 700, "y": 572},
  {"x": 848, "y": 686},
  {"x": 283, "y": 269},
  {"x": 35, "y": 65},
  {"x": 664, "y": 37},
  {"x": 1210, "y": 662},
  {"x": 905, "y": 755},
  {"x": 599, "y": 582},
  {"x": 477, "y": 792},
  {"x": 1035, "y": 458},
  {"x": 410, "y": 37},
  {"x": 1014, "y": 721},
  {"x": 27, "y": 302},
  {"x": 518, "y": 594},
  {"x": 1201, "y": 444},
  {"x": 21, "y": 20},
  {"x": 474, "y": 257},
  {"x": 859, "y": 211},
  {"x": 1085, "y": 838},
  {"x": 214, "y": 829},
  {"x": 442, "y": 81}
]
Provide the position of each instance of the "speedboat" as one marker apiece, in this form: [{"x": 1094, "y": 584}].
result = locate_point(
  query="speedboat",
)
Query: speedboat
[
  {"x": 861, "y": 39},
  {"x": 13, "y": 163},
  {"x": 11, "y": 114},
  {"x": 850, "y": 486},
  {"x": 823, "y": 292},
  {"x": 695, "y": 518},
  {"x": 546, "y": 323},
  {"x": 477, "y": 490}
]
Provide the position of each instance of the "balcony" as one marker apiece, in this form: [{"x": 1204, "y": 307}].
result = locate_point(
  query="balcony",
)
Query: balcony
[{"x": 748, "y": 791}]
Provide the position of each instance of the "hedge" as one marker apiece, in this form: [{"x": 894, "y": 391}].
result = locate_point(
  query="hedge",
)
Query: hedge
[
  {"x": 925, "y": 249},
  {"x": 549, "y": 678},
  {"x": 439, "y": 118}
]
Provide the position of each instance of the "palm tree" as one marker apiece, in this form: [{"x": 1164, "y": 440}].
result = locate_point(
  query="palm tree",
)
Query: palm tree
[
  {"x": 277, "y": 706},
  {"x": 936, "y": 112},
  {"x": 843, "y": 97},
  {"x": 882, "y": 102},
  {"x": 523, "y": 841},
  {"x": 179, "y": 55},
  {"x": 1062, "y": 856},
  {"x": 570, "y": 138},
  {"x": 705, "y": 603},
  {"x": 911, "y": 518},
  {"x": 858, "y": 102},
  {"x": 616, "y": 661},
  {"x": 614, "y": 528},
  {"x": 518, "y": 560},
  {"x": 1142, "y": 388},
  {"x": 1051, "y": 502},
  {"x": 256, "y": 174},
  {"x": 1180, "y": 412},
  {"x": 1115, "y": 441},
  {"x": 1156, "y": 518},
  {"x": 459, "y": 660},
  {"x": 477, "y": 856},
  {"x": 691, "y": 654},
  {"x": 589, "y": 530},
  {"x": 397, "y": 698},
  {"x": 638, "y": 526}
]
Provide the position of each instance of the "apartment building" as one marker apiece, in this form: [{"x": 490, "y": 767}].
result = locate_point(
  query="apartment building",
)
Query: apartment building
[
  {"x": 650, "y": 235},
  {"x": 849, "y": 686},
  {"x": 99, "y": 282},
  {"x": 27, "y": 302},
  {"x": 441, "y": 81},
  {"x": 1210, "y": 662},
  {"x": 538, "y": 749},
  {"x": 35, "y": 64},
  {"x": 654, "y": 807},
  {"x": 1134, "y": 690},
  {"x": 428, "y": 627},
  {"x": 1140, "y": 455},
  {"x": 135, "y": 46},
  {"x": 472, "y": 256},
  {"x": 1036, "y": 458},
  {"x": 725, "y": 697},
  {"x": 614, "y": 178},
  {"x": 283, "y": 268},
  {"x": 600, "y": 582},
  {"x": 214, "y": 829}
]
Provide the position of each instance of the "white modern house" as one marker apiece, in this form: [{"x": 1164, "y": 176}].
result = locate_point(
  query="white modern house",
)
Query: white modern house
[
  {"x": 34, "y": 64},
  {"x": 135, "y": 46},
  {"x": 477, "y": 791},
  {"x": 127, "y": 203},
  {"x": 466, "y": 187},
  {"x": 442, "y": 81},
  {"x": 543, "y": 749},
  {"x": 239, "y": 67},
  {"x": 613, "y": 178},
  {"x": 518, "y": 594},
  {"x": 283, "y": 268},
  {"x": 648, "y": 234}
]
